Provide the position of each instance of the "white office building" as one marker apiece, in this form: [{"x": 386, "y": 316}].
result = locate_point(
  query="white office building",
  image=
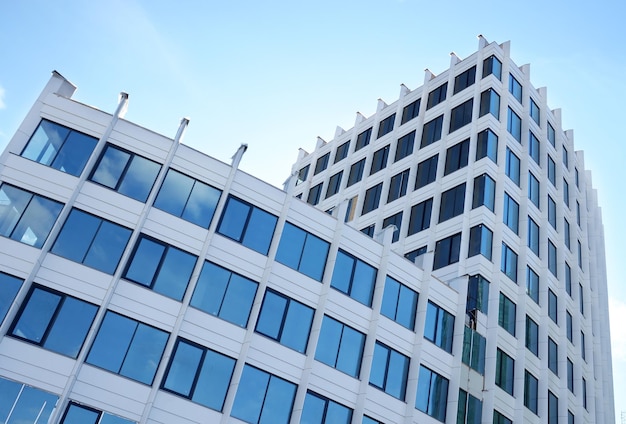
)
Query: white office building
[{"x": 451, "y": 268}]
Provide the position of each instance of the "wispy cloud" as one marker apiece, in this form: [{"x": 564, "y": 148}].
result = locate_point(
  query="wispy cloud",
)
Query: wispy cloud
[
  {"x": 617, "y": 311},
  {"x": 2, "y": 104}
]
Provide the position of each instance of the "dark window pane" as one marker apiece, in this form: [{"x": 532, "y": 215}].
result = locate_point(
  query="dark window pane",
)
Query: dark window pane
[
  {"x": 410, "y": 111},
  {"x": 9, "y": 286},
  {"x": 461, "y": 115},
  {"x": 426, "y": 172}
]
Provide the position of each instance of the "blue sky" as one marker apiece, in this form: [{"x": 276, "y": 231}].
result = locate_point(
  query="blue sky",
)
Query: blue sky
[{"x": 277, "y": 74}]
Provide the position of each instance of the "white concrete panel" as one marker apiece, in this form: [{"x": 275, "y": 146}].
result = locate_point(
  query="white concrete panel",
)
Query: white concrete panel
[
  {"x": 169, "y": 228},
  {"x": 39, "y": 178},
  {"x": 275, "y": 358},
  {"x": 143, "y": 304},
  {"x": 212, "y": 332},
  {"x": 17, "y": 258},
  {"x": 169, "y": 408}
]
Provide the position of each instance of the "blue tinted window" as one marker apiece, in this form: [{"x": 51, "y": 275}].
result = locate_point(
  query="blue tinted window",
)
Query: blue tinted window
[
  {"x": 484, "y": 192},
  {"x": 389, "y": 371},
  {"x": 26, "y": 217},
  {"x": 126, "y": 173},
  {"x": 161, "y": 267},
  {"x": 60, "y": 148},
  {"x": 432, "y": 131},
  {"x": 487, "y": 145},
  {"x": 80, "y": 414},
  {"x": 492, "y": 65},
  {"x": 199, "y": 374},
  {"x": 514, "y": 125},
  {"x": 399, "y": 303},
  {"x": 512, "y": 167},
  {"x": 187, "y": 198},
  {"x": 224, "y": 294},
  {"x": 474, "y": 347},
  {"x": 439, "y": 327},
  {"x": 354, "y": 277},
  {"x": 506, "y": 316},
  {"x": 515, "y": 88},
  {"x": 321, "y": 410},
  {"x": 510, "y": 214},
  {"x": 91, "y": 241},
  {"x": 54, "y": 321},
  {"x": 480, "y": 242},
  {"x": 490, "y": 103},
  {"x": 432, "y": 394},
  {"x": 505, "y": 366},
  {"x": 9, "y": 286},
  {"x": 127, "y": 347},
  {"x": 302, "y": 251},
  {"x": 263, "y": 398},
  {"x": 508, "y": 262},
  {"x": 340, "y": 346},
  {"x": 247, "y": 224},
  {"x": 477, "y": 294},
  {"x": 285, "y": 320},
  {"x": 20, "y": 403}
]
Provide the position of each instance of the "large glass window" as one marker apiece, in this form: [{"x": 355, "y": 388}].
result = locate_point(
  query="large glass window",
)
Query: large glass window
[
  {"x": 552, "y": 258},
  {"x": 568, "y": 279},
  {"x": 437, "y": 96},
  {"x": 461, "y": 115},
  {"x": 247, "y": 224},
  {"x": 447, "y": 251},
  {"x": 492, "y": 65},
  {"x": 187, "y": 198},
  {"x": 570, "y": 375},
  {"x": 302, "y": 251},
  {"x": 356, "y": 172},
  {"x": 372, "y": 198},
  {"x": 474, "y": 348},
  {"x": 484, "y": 192},
  {"x": 551, "y": 171},
  {"x": 553, "y": 408},
  {"x": 498, "y": 418},
  {"x": 285, "y": 320},
  {"x": 128, "y": 348},
  {"x": 398, "y": 185},
  {"x": 552, "y": 306},
  {"x": 439, "y": 327},
  {"x": 531, "y": 392},
  {"x": 477, "y": 294},
  {"x": 224, "y": 294},
  {"x": 426, "y": 172},
  {"x": 566, "y": 234},
  {"x": 532, "y": 336},
  {"x": 512, "y": 167},
  {"x": 60, "y": 147},
  {"x": 386, "y": 125},
  {"x": 315, "y": 193},
  {"x": 533, "y": 189},
  {"x": 464, "y": 80},
  {"x": 91, "y": 241},
  {"x": 553, "y": 356},
  {"x": 515, "y": 88},
  {"x": 432, "y": 393},
  {"x": 552, "y": 212},
  {"x": 334, "y": 184},
  {"x": 470, "y": 409},
  {"x": 20, "y": 403},
  {"x": 26, "y": 217},
  {"x": 432, "y": 131},
  {"x": 508, "y": 264},
  {"x": 487, "y": 145},
  {"x": 452, "y": 202},
  {"x": 404, "y": 146},
  {"x": 514, "y": 125},
  {"x": 410, "y": 111},
  {"x": 81, "y": 414},
  {"x": 9, "y": 286},
  {"x": 456, "y": 157},
  {"x": 505, "y": 366},
  {"x": 533, "y": 236},
  {"x": 490, "y": 103},
  {"x": 303, "y": 173},
  {"x": 420, "y": 216},
  {"x": 389, "y": 371},
  {"x": 533, "y": 147},
  {"x": 160, "y": 267},
  {"x": 510, "y": 214},
  {"x": 354, "y": 277},
  {"x": 481, "y": 241},
  {"x": 263, "y": 398},
  {"x": 569, "y": 329},
  {"x": 340, "y": 346},
  {"x": 321, "y": 164},
  {"x": 54, "y": 321},
  {"x": 534, "y": 111},
  {"x": 551, "y": 135},
  {"x": 342, "y": 151},
  {"x": 506, "y": 316},
  {"x": 319, "y": 409},
  {"x": 379, "y": 159},
  {"x": 125, "y": 172},
  {"x": 565, "y": 192},
  {"x": 363, "y": 139},
  {"x": 399, "y": 303},
  {"x": 532, "y": 284},
  {"x": 199, "y": 374}
]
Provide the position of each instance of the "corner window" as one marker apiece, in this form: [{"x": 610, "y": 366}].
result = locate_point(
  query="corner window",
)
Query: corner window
[
  {"x": 505, "y": 366},
  {"x": 356, "y": 172},
  {"x": 354, "y": 278},
  {"x": 484, "y": 192},
  {"x": 489, "y": 103},
  {"x": 160, "y": 267},
  {"x": 399, "y": 303},
  {"x": 452, "y": 203},
  {"x": 510, "y": 214},
  {"x": 26, "y": 217},
  {"x": 414, "y": 254},
  {"x": 199, "y": 374},
  {"x": 303, "y": 173},
  {"x": 464, "y": 80},
  {"x": 432, "y": 394},
  {"x": 60, "y": 147},
  {"x": 474, "y": 348},
  {"x": 389, "y": 371},
  {"x": 91, "y": 241},
  {"x": 340, "y": 347},
  {"x": 125, "y": 172},
  {"x": 532, "y": 336},
  {"x": 9, "y": 286},
  {"x": 302, "y": 251},
  {"x": 432, "y": 131},
  {"x": 321, "y": 164},
  {"x": 404, "y": 146},
  {"x": 461, "y": 115},
  {"x": 386, "y": 125},
  {"x": 514, "y": 125},
  {"x": 81, "y": 414},
  {"x": 285, "y": 320},
  {"x": 334, "y": 183},
  {"x": 531, "y": 392},
  {"x": 25, "y": 403},
  {"x": 492, "y": 65},
  {"x": 54, "y": 321},
  {"x": 426, "y": 172},
  {"x": 447, "y": 251},
  {"x": 128, "y": 348},
  {"x": 439, "y": 327},
  {"x": 263, "y": 397},
  {"x": 410, "y": 111},
  {"x": 372, "y": 198},
  {"x": 437, "y": 96},
  {"x": 247, "y": 224},
  {"x": 398, "y": 185},
  {"x": 379, "y": 160},
  {"x": 508, "y": 263},
  {"x": 224, "y": 294},
  {"x": 512, "y": 168},
  {"x": 515, "y": 88},
  {"x": 506, "y": 317},
  {"x": 481, "y": 241},
  {"x": 487, "y": 145},
  {"x": 363, "y": 139},
  {"x": 187, "y": 198},
  {"x": 420, "y": 217},
  {"x": 396, "y": 220},
  {"x": 320, "y": 409},
  {"x": 457, "y": 157}
]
